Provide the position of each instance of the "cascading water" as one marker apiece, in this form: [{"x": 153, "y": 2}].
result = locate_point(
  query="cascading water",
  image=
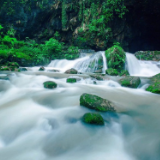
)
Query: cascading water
[
  {"x": 89, "y": 63},
  {"x": 45, "y": 124},
  {"x": 141, "y": 68}
]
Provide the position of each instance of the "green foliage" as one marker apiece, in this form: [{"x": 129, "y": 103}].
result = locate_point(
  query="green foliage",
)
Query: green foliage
[
  {"x": 72, "y": 53},
  {"x": 52, "y": 47}
]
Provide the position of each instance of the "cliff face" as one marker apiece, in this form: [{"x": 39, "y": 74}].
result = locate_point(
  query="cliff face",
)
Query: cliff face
[{"x": 137, "y": 30}]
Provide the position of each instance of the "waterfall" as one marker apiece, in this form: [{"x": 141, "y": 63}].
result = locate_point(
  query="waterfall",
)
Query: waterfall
[
  {"x": 141, "y": 68},
  {"x": 89, "y": 63}
]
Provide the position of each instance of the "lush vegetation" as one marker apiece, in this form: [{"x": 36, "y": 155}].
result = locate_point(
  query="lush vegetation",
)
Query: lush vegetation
[{"x": 29, "y": 52}]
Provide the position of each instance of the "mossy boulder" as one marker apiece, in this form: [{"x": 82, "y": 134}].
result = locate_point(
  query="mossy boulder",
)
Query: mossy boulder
[
  {"x": 50, "y": 85},
  {"x": 93, "y": 118},
  {"x": 131, "y": 82},
  {"x": 112, "y": 72},
  {"x": 71, "y": 80},
  {"x": 124, "y": 73},
  {"x": 41, "y": 68},
  {"x": 115, "y": 57},
  {"x": 154, "y": 87},
  {"x": 96, "y": 103},
  {"x": 97, "y": 77},
  {"x": 71, "y": 71}
]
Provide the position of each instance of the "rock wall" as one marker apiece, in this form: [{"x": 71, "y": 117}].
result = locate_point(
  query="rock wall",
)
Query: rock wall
[{"x": 138, "y": 30}]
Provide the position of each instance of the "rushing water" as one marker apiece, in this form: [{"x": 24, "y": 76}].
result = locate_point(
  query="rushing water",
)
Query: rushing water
[{"x": 42, "y": 124}]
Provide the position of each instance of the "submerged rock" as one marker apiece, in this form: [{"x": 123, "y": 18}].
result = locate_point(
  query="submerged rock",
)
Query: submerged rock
[
  {"x": 71, "y": 71},
  {"x": 112, "y": 72},
  {"x": 50, "y": 84},
  {"x": 23, "y": 69},
  {"x": 41, "y": 68},
  {"x": 71, "y": 80},
  {"x": 53, "y": 70},
  {"x": 154, "y": 87},
  {"x": 129, "y": 81},
  {"x": 93, "y": 118},
  {"x": 97, "y": 77},
  {"x": 116, "y": 57},
  {"x": 95, "y": 102}
]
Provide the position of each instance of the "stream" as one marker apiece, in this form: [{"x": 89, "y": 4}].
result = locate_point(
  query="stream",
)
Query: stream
[{"x": 44, "y": 124}]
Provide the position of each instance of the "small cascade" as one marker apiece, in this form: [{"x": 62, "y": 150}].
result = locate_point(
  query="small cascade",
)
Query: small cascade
[
  {"x": 141, "y": 68},
  {"x": 96, "y": 63},
  {"x": 87, "y": 63},
  {"x": 64, "y": 64},
  {"x": 132, "y": 64}
]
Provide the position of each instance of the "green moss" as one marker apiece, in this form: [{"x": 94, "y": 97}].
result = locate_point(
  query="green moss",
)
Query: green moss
[
  {"x": 112, "y": 72},
  {"x": 71, "y": 80},
  {"x": 93, "y": 118},
  {"x": 129, "y": 81},
  {"x": 95, "y": 102},
  {"x": 116, "y": 57},
  {"x": 50, "y": 84}
]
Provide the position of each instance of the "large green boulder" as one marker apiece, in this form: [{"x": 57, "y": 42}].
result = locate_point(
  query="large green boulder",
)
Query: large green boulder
[
  {"x": 97, "y": 77},
  {"x": 129, "y": 81},
  {"x": 71, "y": 71},
  {"x": 96, "y": 103},
  {"x": 50, "y": 85},
  {"x": 116, "y": 57},
  {"x": 154, "y": 87},
  {"x": 112, "y": 72},
  {"x": 93, "y": 118}
]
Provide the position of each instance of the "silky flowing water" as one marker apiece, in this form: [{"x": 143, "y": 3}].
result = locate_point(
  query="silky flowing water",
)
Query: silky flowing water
[{"x": 42, "y": 124}]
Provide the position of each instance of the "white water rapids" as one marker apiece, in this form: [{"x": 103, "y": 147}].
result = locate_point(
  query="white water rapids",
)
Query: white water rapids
[{"x": 42, "y": 124}]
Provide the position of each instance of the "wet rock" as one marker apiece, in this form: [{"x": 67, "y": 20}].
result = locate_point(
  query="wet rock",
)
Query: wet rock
[
  {"x": 50, "y": 84},
  {"x": 98, "y": 71},
  {"x": 5, "y": 77},
  {"x": 93, "y": 118},
  {"x": 124, "y": 73},
  {"x": 53, "y": 70},
  {"x": 71, "y": 71},
  {"x": 41, "y": 68},
  {"x": 129, "y": 81},
  {"x": 97, "y": 77},
  {"x": 115, "y": 57},
  {"x": 95, "y": 102},
  {"x": 154, "y": 87},
  {"x": 71, "y": 80},
  {"x": 23, "y": 69},
  {"x": 112, "y": 72}
]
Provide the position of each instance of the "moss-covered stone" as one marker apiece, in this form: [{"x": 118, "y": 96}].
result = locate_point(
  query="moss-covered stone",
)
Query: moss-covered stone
[
  {"x": 95, "y": 102},
  {"x": 50, "y": 84},
  {"x": 97, "y": 77},
  {"x": 112, "y": 72},
  {"x": 41, "y": 68},
  {"x": 116, "y": 57},
  {"x": 93, "y": 118},
  {"x": 154, "y": 87},
  {"x": 71, "y": 71},
  {"x": 124, "y": 73},
  {"x": 71, "y": 80},
  {"x": 129, "y": 81}
]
